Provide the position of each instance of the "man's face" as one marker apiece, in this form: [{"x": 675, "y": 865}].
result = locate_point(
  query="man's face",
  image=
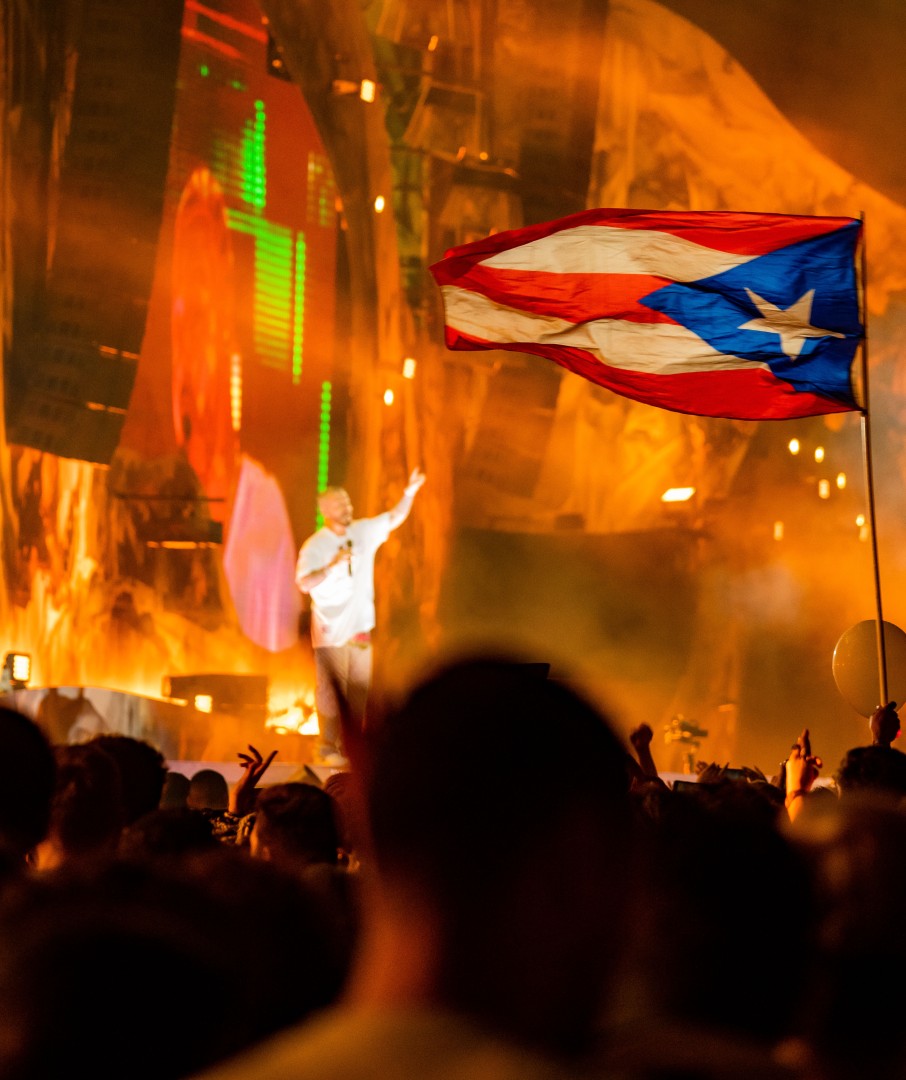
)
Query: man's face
[{"x": 336, "y": 507}]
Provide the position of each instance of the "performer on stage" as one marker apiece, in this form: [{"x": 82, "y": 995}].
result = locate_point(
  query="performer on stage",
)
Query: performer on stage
[{"x": 336, "y": 569}]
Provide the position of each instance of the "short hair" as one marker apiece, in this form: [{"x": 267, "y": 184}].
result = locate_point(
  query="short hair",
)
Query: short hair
[
  {"x": 477, "y": 763},
  {"x": 300, "y": 819},
  {"x": 86, "y": 812},
  {"x": 873, "y": 768},
  {"x": 501, "y": 798},
  {"x": 176, "y": 788},
  {"x": 332, "y": 489},
  {"x": 143, "y": 769},
  {"x": 208, "y": 790}
]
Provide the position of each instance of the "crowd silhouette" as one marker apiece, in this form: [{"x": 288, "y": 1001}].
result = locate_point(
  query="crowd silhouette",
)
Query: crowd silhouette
[{"x": 545, "y": 906}]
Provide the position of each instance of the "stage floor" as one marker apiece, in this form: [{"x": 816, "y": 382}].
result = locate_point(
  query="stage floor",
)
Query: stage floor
[{"x": 277, "y": 773}]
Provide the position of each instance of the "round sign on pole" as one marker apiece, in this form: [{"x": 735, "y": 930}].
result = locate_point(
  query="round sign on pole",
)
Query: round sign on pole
[{"x": 855, "y": 665}]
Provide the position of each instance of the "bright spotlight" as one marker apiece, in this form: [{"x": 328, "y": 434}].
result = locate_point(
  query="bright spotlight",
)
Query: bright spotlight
[
  {"x": 793, "y": 446},
  {"x": 16, "y": 670},
  {"x": 678, "y": 494},
  {"x": 204, "y": 703}
]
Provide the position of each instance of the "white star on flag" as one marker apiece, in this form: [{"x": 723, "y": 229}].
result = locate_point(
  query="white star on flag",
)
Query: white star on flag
[{"x": 793, "y": 324}]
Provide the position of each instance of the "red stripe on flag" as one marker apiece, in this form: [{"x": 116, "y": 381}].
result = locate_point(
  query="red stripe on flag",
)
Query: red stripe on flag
[
  {"x": 742, "y": 394},
  {"x": 722, "y": 230},
  {"x": 574, "y": 297}
]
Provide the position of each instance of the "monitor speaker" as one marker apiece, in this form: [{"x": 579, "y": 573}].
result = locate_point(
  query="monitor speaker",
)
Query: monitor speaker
[{"x": 74, "y": 353}]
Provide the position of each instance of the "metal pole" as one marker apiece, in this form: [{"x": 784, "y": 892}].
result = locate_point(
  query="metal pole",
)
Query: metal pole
[{"x": 869, "y": 480}]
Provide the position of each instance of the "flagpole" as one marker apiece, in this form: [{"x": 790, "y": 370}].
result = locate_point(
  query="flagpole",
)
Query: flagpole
[{"x": 869, "y": 480}]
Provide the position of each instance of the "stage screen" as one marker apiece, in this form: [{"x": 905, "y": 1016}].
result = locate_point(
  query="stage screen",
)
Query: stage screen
[{"x": 235, "y": 377}]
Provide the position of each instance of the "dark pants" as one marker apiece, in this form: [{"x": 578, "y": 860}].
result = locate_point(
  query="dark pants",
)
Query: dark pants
[{"x": 345, "y": 669}]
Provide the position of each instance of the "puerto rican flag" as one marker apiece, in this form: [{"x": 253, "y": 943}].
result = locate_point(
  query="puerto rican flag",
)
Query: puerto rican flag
[{"x": 714, "y": 313}]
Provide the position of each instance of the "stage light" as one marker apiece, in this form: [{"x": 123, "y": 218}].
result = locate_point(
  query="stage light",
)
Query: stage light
[
  {"x": 379, "y": 204},
  {"x": 841, "y": 480},
  {"x": 243, "y": 696},
  {"x": 793, "y": 446},
  {"x": 433, "y": 42},
  {"x": 16, "y": 670},
  {"x": 388, "y": 396},
  {"x": 678, "y": 494},
  {"x": 311, "y": 725},
  {"x": 408, "y": 368},
  {"x": 778, "y": 530},
  {"x": 860, "y": 520},
  {"x": 276, "y": 65},
  {"x": 824, "y": 489},
  {"x": 236, "y": 391},
  {"x": 819, "y": 454},
  {"x": 364, "y": 89}
]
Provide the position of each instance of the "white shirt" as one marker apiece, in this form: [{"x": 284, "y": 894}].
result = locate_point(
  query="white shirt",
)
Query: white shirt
[{"x": 342, "y": 605}]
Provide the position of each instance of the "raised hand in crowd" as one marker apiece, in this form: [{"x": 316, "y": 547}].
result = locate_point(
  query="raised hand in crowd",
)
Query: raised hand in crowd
[
  {"x": 710, "y": 772},
  {"x": 884, "y": 724},
  {"x": 643, "y": 772},
  {"x": 800, "y": 772},
  {"x": 254, "y": 766},
  {"x": 640, "y": 739}
]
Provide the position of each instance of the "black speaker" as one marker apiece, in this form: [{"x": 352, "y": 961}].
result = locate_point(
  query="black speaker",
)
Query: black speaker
[
  {"x": 74, "y": 355},
  {"x": 517, "y": 418},
  {"x": 243, "y": 695}
]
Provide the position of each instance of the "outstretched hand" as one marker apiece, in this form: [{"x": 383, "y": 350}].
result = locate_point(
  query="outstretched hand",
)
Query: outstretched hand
[
  {"x": 254, "y": 766},
  {"x": 802, "y": 767},
  {"x": 416, "y": 479},
  {"x": 640, "y": 738},
  {"x": 884, "y": 724}
]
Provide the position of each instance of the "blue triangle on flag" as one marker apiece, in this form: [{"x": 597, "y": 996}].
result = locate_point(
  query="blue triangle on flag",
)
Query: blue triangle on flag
[{"x": 717, "y": 308}]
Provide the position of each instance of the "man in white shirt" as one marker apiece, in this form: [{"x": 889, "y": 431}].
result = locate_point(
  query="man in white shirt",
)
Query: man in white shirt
[{"x": 336, "y": 569}]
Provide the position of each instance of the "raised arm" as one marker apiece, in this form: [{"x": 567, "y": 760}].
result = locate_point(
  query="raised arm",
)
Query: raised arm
[
  {"x": 254, "y": 766},
  {"x": 640, "y": 738},
  {"x": 400, "y": 512},
  {"x": 801, "y": 772}
]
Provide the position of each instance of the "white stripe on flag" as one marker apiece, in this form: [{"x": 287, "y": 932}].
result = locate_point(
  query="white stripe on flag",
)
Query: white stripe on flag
[
  {"x": 601, "y": 249},
  {"x": 658, "y": 348}
]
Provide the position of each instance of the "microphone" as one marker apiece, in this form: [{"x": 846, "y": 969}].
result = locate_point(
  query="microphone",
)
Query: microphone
[{"x": 349, "y": 549}]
